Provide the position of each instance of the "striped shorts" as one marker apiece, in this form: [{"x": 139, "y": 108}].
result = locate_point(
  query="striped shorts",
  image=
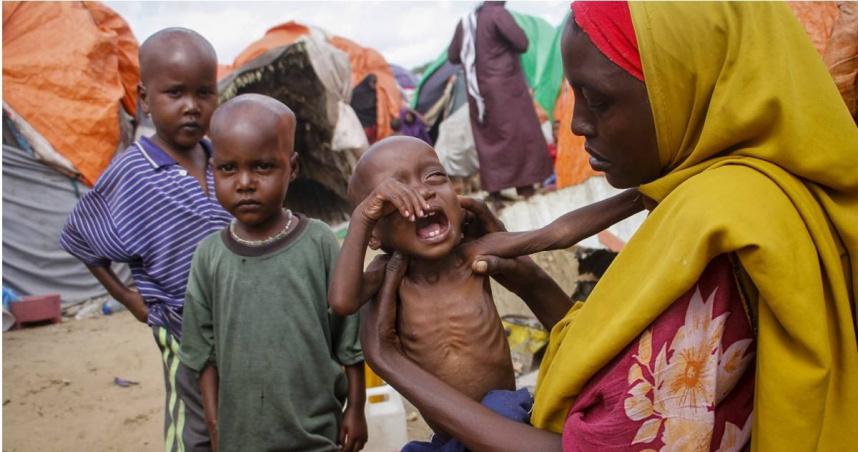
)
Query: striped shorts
[{"x": 184, "y": 422}]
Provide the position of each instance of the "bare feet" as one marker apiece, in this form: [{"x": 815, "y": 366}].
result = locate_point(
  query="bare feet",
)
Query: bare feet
[
  {"x": 496, "y": 202},
  {"x": 526, "y": 191}
]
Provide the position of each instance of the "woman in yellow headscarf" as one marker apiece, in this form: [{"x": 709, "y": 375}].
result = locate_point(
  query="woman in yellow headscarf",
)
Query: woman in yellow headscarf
[{"x": 728, "y": 320}]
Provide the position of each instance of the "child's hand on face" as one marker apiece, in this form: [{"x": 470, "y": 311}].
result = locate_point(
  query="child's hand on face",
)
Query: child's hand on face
[
  {"x": 353, "y": 431},
  {"x": 391, "y": 196}
]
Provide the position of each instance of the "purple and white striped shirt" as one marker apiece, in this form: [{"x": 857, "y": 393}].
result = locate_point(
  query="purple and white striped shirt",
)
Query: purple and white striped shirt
[{"x": 148, "y": 211}]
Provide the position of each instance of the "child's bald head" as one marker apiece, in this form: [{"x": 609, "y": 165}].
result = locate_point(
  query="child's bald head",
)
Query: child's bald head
[
  {"x": 381, "y": 160},
  {"x": 254, "y": 114},
  {"x": 176, "y": 45}
]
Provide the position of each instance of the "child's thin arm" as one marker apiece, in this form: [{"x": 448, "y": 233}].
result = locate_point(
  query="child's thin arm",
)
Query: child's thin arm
[
  {"x": 120, "y": 292},
  {"x": 346, "y": 285},
  {"x": 346, "y": 294},
  {"x": 563, "y": 232},
  {"x": 209, "y": 384},
  {"x": 353, "y": 432}
]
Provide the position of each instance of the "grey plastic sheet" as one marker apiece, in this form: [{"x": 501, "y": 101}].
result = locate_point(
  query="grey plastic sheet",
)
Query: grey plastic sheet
[{"x": 37, "y": 199}]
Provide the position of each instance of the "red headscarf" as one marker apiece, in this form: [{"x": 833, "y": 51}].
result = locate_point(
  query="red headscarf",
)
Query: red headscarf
[{"x": 609, "y": 26}]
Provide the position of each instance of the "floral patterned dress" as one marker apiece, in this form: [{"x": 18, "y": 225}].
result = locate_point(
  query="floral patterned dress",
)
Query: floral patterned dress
[{"x": 686, "y": 383}]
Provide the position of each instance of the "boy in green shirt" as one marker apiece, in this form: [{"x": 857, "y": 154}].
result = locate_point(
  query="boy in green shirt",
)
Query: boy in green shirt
[{"x": 257, "y": 326}]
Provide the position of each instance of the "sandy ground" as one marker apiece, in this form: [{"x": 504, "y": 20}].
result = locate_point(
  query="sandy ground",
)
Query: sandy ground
[
  {"x": 59, "y": 392},
  {"x": 58, "y": 381}
]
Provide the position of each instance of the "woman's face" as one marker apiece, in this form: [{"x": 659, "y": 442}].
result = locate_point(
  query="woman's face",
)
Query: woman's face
[{"x": 612, "y": 112}]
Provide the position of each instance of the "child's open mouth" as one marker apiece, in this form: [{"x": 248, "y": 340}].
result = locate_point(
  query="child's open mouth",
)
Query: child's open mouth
[{"x": 434, "y": 226}]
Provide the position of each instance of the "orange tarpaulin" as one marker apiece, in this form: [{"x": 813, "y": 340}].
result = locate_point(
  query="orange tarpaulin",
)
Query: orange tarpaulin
[
  {"x": 573, "y": 163},
  {"x": 818, "y": 19},
  {"x": 279, "y": 36},
  {"x": 365, "y": 61},
  {"x": 66, "y": 68}
]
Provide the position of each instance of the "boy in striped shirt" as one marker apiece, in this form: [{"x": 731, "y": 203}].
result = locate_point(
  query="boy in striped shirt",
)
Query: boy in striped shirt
[{"x": 153, "y": 205}]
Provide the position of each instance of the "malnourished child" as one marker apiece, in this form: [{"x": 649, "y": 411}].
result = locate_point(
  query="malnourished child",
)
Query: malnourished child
[{"x": 447, "y": 319}]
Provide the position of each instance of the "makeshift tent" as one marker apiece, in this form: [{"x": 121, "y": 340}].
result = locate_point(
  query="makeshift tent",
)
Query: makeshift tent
[
  {"x": 365, "y": 61},
  {"x": 68, "y": 70},
  {"x": 37, "y": 199},
  {"x": 70, "y": 73},
  {"x": 404, "y": 78},
  {"x": 406, "y": 81},
  {"x": 313, "y": 78},
  {"x": 572, "y": 166}
]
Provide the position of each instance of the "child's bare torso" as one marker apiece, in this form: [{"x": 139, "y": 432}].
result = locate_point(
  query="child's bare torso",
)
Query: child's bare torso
[{"x": 451, "y": 328}]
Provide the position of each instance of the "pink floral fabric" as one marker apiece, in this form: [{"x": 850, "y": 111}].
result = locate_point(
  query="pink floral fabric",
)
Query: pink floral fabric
[{"x": 686, "y": 383}]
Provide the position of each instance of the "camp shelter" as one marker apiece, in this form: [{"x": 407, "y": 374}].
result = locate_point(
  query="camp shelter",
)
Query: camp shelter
[
  {"x": 70, "y": 70},
  {"x": 365, "y": 61},
  {"x": 296, "y": 65},
  {"x": 70, "y": 73},
  {"x": 404, "y": 78}
]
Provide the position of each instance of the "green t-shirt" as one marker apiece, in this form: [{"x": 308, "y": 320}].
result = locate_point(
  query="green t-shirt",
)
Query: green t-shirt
[{"x": 264, "y": 322}]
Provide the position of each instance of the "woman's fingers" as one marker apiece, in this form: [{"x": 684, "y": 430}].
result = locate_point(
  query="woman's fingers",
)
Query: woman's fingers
[
  {"x": 483, "y": 216},
  {"x": 378, "y": 318},
  {"x": 386, "y": 299}
]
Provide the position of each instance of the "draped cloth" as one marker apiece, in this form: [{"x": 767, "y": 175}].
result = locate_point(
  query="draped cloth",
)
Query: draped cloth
[
  {"x": 416, "y": 128},
  {"x": 468, "y": 55},
  {"x": 759, "y": 160},
  {"x": 609, "y": 26}
]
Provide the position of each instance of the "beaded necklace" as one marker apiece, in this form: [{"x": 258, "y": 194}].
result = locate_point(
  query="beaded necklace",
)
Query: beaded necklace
[{"x": 263, "y": 242}]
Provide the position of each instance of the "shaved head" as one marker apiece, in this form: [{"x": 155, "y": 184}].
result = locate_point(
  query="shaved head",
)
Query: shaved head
[
  {"x": 378, "y": 159},
  {"x": 172, "y": 42},
  {"x": 262, "y": 114}
]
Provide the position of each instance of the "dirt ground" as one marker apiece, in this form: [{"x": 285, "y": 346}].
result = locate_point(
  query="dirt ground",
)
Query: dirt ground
[
  {"x": 59, "y": 392},
  {"x": 58, "y": 381}
]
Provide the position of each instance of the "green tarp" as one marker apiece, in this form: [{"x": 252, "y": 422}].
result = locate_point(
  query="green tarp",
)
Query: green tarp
[{"x": 542, "y": 63}]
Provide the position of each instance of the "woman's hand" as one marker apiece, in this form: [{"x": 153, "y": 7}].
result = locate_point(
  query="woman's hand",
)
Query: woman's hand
[
  {"x": 479, "y": 220},
  {"x": 487, "y": 243},
  {"x": 378, "y": 334}
]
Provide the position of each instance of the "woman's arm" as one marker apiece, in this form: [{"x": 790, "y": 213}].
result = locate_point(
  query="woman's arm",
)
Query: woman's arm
[
  {"x": 476, "y": 426},
  {"x": 521, "y": 276}
]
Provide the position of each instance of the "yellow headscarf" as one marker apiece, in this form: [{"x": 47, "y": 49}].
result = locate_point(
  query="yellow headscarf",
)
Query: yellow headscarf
[{"x": 760, "y": 159}]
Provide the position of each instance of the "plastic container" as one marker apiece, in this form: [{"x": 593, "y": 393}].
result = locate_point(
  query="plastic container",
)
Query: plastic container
[
  {"x": 8, "y": 320},
  {"x": 388, "y": 430},
  {"x": 111, "y": 306},
  {"x": 36, "y": 308}
]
